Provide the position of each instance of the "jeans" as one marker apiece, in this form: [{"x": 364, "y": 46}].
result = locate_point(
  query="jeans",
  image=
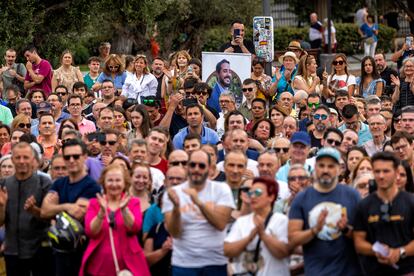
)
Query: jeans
[
  {"x": 369, "y": 49},
  {"x": 211, "y": 270},
  {"x": 41, "y": 264}
]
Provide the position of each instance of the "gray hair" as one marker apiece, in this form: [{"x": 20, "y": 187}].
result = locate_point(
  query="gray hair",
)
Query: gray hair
[
  {"x": 229, "y": 94},
  {"x": 409, "y": 59},
  {"x": 138, "y": 142},
  {"x": 298, "y": 167},
  {"x": 72, "y": 132}
]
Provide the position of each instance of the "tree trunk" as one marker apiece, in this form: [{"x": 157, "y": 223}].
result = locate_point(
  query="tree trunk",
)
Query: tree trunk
[{"x": 122, "y": 43}]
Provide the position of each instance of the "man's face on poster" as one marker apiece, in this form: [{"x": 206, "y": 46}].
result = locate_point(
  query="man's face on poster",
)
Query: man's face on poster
[{"x": 225, "y": 75}]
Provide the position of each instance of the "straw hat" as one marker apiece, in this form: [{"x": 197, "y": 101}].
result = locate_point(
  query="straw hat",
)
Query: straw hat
[
  {"x": 295, "y": 45},
  {"x": 288, "y": 54}
]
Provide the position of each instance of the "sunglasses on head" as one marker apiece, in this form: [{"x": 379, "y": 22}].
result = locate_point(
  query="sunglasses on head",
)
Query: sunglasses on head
[
  {"x": 316, "y": 105},
  {"x": 340, "y": 62},
  {"x": 256, "y": 192},
  {"x": 23, "y": 125},
  {"x": 250, "y": 89},
  {"x": 177, "y": 163},
  {"x": 104, "y": 143},
  {"x": 333, "y": 142},
  {"x": 320, "y": 116},
  {"x": 75, "y": 156},
  {"x": 195, "y": 164}
]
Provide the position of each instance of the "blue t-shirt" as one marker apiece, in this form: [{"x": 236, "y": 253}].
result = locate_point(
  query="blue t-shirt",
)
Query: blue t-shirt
[
  {"x": 153, "y": 216},
  {"x": 369, "y": 31},
  {"x": 118, "y": 80},
  {"x": 71, "y": 192},
  {"x": 208, "y": 136},
  {"x": 330, "y": 253}
]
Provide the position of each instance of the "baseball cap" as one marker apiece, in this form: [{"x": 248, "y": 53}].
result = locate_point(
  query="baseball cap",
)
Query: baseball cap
[
  {"x": 44, "y": 107},
  {"x": 329, "y": 152},
  {"x": 333, "y": 111},
  {"x": 301, "y": 137}
]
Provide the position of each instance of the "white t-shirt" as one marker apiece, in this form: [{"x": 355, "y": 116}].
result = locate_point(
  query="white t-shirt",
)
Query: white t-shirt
[
  {"x": 157, "y": 178},
  {"x": 268, "y": 265},
  {"x": 136, "y": 88},
  {"x": 333, "y": 31},
  {"x": 200, "y": 243}
]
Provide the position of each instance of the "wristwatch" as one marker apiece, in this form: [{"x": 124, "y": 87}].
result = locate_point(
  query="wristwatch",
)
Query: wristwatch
[{"x": 403, "y": 254}]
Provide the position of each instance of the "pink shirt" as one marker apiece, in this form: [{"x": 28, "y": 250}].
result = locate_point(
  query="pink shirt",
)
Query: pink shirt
[
  {"x": 86, "y": 126},
  {"x": 45, "y": 69}
]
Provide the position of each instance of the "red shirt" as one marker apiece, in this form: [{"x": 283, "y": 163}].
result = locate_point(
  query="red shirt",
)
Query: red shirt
[{"x": 162, "y": 166}]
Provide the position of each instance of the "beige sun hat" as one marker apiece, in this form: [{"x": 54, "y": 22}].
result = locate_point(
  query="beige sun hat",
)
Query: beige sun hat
[{"x": 288, "y": 54}]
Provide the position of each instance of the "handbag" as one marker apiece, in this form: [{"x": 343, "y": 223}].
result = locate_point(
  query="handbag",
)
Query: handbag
[
  {"x": 124, "y": 272},
  {"x": 256, "y": 252},
  {"x": 370, "y": 40}
]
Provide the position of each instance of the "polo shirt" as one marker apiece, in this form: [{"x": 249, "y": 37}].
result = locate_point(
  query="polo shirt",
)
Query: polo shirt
[
  {"x": 208, "y": 136},
  {"x": 6, "y": 117},
  {"x": 364, "y": 134},
  {"x": 86, "y": 126}
]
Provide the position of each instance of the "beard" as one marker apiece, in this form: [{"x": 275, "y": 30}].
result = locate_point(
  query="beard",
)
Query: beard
[
  {"x": 327, "y": 182},
  {"x": 197, "y": 179},
  {"x": 320, "y": 127}
]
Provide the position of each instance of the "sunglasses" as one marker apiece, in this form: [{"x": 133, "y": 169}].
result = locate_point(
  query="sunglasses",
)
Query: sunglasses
[
  {"x": 250, "y": 89},
  {"x": 22, "y": 125},
  {"x": 297, "y": 178},
  {"x": 75, "y": 156},
  {"x": 113, "y": 67},
  {"x": 149, "y": 102},
  {"x": 351, "y": 124},
  {"x": 280, "y": 150},
  {"x": 61, "y": 94},
  {"x": 320, "y": 117},
  {"x": 333, "y": 142},
  {"x": 178, "y": 163},
  {"x": 204, "y": 93},
  {"x": 256, "y": 192},
  {"x": 316, "y": 105},
  {"x": 341, "y": 62},
  {"x": 59, "y": 168},
  {"x": 385, "y": 210},
  {"x": 195, "y": 164},
  {"x": 104, "y": 143}
]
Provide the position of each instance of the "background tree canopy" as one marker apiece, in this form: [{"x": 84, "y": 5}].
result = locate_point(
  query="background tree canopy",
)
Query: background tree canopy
[{"x": 80, "y": 25}]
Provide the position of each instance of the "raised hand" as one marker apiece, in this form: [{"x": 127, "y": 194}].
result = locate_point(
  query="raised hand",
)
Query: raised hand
[
  {"x": 395, "y": 80},
  {"x": 102, "y": 201},
  {"x": 321, "y": 220},
  {"x": 29, "y": 66},
  {"x": 124, "y": 202},
  {"x": 193, "y": 194},
  {"x": 173, "y": 197}
]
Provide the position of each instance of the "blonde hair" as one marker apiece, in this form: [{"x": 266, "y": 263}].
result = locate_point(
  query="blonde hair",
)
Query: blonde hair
[
  {"x": 303, "y": 63},
  {"x": 182, "y": 53},
  {"x": 144, "y": 58},
  {"x": 117, "y": 59},
  {"x": 20, "y": 118},
  {"x": 115, "y": 167}
]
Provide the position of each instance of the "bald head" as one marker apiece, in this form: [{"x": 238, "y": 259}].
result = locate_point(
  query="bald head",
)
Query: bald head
[
  {"x": 239, "y": 140},
  {"x": 175, "y": 175},
  {"x": 177, "y": 158}
]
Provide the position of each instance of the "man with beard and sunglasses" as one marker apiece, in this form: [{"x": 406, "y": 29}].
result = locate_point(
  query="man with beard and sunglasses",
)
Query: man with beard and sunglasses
[
  {"x": 196, "y": 215},
  {"x": 321, "y": 219},
  {"x": 321, "y": 122},
  {"x": 385, "y": 219}
]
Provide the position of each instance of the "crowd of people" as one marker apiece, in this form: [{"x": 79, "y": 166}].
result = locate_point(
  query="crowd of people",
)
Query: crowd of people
[{"x": 134, "y": 168}]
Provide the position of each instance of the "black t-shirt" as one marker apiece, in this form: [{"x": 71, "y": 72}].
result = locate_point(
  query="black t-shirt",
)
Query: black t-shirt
[
  {"x": 315, "y": 142},
  {"x": 177, "y": 123},
  {"x": 247, "y": 43},
  {"x": 396, "y": 232},
  {"x": 159, "y": 235},
  {"x": 221, "y": 177},
  {"x": 386, "y": 76},
  {"x": 70, "y": 192},
  {"x": 406, "y": 96}
]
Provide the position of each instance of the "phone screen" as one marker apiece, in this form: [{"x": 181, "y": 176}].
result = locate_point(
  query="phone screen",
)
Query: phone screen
[{"x": 236, "y": 33}]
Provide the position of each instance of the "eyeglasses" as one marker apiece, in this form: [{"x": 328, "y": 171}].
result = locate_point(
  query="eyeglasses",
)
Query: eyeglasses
[
  {"x": 250, "y": 89},
  {"x": 280, "y": 150},
  {"x": 200, "y": 165},
  {"x": 75, "y": 105},
  {"x": 22, "y": 125},
  {"x": 256, "y": 192},
  {"x": 297, "y": 178},
  {"x": 104, "y": 143},
  {"x": 75, "y": 156},
  {"x": 316, "y": 105},
  {"x": 385, "y": 212},
  {"x": 320, "y": 117},
  {"x": 351, "y": 124},
  {"x": 340, "y": 62},
  {"x": 59, "y": 168},
  {"x": 176, "y": 178},
  {"x": 113, "y": 67},
  {"x": 333, "y": 142},
  {"x": 61, "y": 94},
  {"x": 400, "y": 148},
  {"x": 178, "y": 163}
]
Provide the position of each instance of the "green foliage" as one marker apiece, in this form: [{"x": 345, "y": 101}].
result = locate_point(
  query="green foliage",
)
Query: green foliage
[{"x": 282, "y": 36}]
